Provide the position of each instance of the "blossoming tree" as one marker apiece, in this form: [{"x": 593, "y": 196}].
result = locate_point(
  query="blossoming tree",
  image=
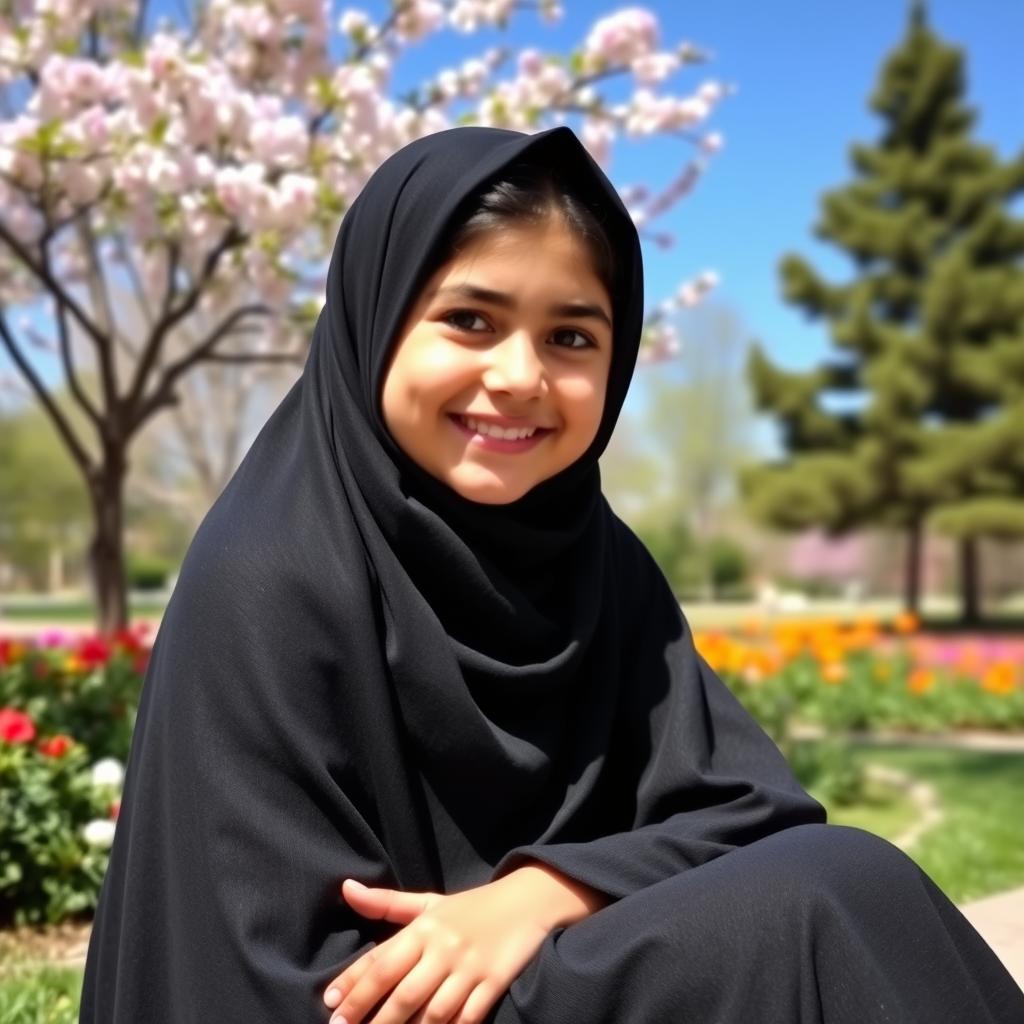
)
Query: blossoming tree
[{"x": 202, "y": 165}]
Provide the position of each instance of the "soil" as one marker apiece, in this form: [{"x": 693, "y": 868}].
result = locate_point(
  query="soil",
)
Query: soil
[{"x": 57, "y": 945}]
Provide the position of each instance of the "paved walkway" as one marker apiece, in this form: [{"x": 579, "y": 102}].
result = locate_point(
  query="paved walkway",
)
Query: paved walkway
[{"x": 1000, "y": 920}]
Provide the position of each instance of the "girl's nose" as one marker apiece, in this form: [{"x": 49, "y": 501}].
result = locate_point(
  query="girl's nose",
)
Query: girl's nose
[{"x": 514, "y": 366}]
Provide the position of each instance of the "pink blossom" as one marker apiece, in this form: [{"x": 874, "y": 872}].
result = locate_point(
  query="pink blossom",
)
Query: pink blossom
[
  {"x": 419, "y": 18},
  {"x": 295, "y": 199},
  {"x": 82, "y": 182},
  {"x": 598, "y": 136},
  {"x": 621, "y": 38},
  {"x": 163, "y": 55},
  {"x": 470, "y": 15},
  {"x": 283, "y": 142},
  {"x": 712, "y": 142},
  {"x": 650, "y": 68},
  {"x": 530, "y": 62}
]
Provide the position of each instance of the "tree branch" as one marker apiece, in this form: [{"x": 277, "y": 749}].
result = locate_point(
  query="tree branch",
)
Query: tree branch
[
  {"x": 162, "y": 393},
  {"x": 170, "y": 315},
  {"x": 254, "y": 357},
  {"x": 64, "y": 428},
  {"x": 140, "y": 23},
  {"x": 101, "y": 306},
  {"x": 43, "y": 276}
]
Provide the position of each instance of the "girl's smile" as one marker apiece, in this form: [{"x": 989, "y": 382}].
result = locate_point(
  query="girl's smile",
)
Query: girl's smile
[
  {"x": 499, "y": 434},
  {"x": 498, "y": 378}
]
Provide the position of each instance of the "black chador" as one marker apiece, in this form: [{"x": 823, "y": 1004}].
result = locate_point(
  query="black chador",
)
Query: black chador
[{"x": 362, "y": 674}]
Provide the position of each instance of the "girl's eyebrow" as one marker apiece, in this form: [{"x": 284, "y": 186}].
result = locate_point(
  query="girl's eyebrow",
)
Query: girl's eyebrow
[{"x": 472, "y": 291}]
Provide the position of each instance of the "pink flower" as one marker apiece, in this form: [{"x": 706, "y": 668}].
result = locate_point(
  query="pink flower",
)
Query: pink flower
[{"x": 53, "y": 638}]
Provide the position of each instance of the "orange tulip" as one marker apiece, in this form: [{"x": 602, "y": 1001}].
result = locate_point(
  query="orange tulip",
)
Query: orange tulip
[
  {"x": 921, "y": 680},
  {"x": 999, "y": 679},
  {"x": 906, "y": 622}
]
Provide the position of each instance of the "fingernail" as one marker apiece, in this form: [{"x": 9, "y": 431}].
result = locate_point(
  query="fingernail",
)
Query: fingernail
[
  {"x": 338, "y": 1020},
  {"x": 332, "y": 997}
]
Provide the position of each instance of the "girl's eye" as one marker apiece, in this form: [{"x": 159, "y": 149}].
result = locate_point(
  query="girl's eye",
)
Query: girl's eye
[
  {"x": 587, "y": 343},
  {"x": 463, "y": 315}
]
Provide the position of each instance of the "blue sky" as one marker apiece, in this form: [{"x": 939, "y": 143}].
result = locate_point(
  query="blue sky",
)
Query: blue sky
[{"x": 803, "y": 71}]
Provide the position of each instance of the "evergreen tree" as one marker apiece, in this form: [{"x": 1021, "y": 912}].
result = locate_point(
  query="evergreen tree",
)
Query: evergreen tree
[{"x": 927, "y": 338}]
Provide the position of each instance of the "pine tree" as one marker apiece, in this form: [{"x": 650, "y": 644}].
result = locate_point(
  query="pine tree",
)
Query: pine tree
[{"x": 927, "y": 338}]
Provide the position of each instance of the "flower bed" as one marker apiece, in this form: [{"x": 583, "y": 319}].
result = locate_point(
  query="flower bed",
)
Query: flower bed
[
  {"x": 861, "y": 676},
  {"x": 67, "y": 710},
  {"x": 68, "y": 706}
]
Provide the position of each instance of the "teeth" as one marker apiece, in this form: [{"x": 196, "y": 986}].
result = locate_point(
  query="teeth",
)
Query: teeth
[{"x": 512, "y": 434}]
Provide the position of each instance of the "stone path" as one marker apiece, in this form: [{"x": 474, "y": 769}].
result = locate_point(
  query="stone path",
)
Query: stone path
[{"x": 1000, "y": 920}]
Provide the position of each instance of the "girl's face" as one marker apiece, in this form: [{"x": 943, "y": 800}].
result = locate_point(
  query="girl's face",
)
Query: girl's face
[{"x": 514, "y": 332}]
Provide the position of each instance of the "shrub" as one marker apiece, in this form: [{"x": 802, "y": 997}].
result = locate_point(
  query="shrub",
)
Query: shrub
[
  {"x": 56, "y": 822},
  {"x": 147, "y": 572},
  {"x": 86, "y": 687}
]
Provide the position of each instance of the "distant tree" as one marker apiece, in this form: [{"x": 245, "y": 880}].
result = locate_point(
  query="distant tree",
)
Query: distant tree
[
  {"x": 928, "y": 336},
  {"x": 700, "y": 419},
  {"x": 44, "y": 511}
]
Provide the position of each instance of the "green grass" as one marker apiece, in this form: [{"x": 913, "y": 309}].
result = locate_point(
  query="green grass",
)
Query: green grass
[
  {"x": 886, "y": 811},
  {"x": 41, "y": 996},
  {"x": 978, "y": 849},
  {"x": 70, "y": 613}
]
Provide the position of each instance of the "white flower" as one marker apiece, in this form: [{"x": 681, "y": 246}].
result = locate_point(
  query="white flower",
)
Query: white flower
[
  {"x": 108, "y": 772},
  {"x": 99, "y": 833},
  {"x": 353, "y": 21}
]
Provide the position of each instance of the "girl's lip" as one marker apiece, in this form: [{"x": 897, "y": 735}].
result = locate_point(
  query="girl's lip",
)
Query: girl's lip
[{"x": 497, "y": 444}]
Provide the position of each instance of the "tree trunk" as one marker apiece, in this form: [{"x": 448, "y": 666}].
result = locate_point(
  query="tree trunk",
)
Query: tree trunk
[
  {"x": 970, "y": 604},
  {"x": 106, "y": 552},
  {"x": 912, "y": 580}
]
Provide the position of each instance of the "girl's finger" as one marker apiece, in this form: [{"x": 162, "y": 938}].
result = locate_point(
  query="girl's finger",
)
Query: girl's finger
[
  {"x": 345, "y": 981},
  {"x": 387, "y": 904},
  {"x": 446, "y": 1002},
  {"x": 478, "y": 1004},
  {"x": 366, "y": 987},
  {"x": 413, "y": 992}
]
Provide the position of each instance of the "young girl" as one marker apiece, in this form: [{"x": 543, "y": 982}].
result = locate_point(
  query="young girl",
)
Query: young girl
[{"x": 424, "y": 723}]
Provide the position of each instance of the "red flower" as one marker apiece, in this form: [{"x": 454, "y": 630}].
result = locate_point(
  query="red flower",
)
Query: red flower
[
  {"x": 140, "y": 662},
  {"x": 128, "y": 641},
  {"x": 93, "y": 651},
  {"x": 115, "y": 809},
  {"x": 56, "y": 746},
  {"x": 16, "y": 726}
]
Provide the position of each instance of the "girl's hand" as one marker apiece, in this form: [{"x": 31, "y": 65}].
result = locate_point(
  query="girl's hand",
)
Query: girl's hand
[{"x": 457, "y": 956}]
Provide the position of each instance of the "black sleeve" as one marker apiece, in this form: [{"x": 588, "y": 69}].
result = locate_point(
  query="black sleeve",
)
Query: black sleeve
[{"x": 708, "y": 779}]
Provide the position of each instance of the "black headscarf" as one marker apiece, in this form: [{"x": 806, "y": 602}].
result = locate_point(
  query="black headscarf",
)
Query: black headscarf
[{"x": 363, "y": 674}]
